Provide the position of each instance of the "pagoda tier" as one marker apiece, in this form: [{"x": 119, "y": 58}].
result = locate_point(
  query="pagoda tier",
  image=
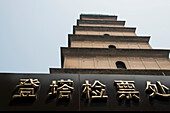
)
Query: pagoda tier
[
  {"x": 103, "y": 41},
  {"x": 104, "y": 58},
  {"x": 100, "y": 23},
  {"x": 113, "y": 31}
]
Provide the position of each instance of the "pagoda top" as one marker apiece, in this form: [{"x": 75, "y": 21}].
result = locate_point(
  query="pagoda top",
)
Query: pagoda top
[{"x": 97, "y": 16}]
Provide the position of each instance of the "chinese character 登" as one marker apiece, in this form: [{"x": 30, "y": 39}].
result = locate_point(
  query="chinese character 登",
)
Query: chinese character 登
[
  {"x": 95, "y": 91},
  {"x": 62, "y": 87},
  {"x": 157, "y": 90},
  {"x": 27, "y": 88},
  {"x": 126, "y": 89}
]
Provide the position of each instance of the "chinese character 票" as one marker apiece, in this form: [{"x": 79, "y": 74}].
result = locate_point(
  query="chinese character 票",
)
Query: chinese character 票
[
  {"x": 157, "y": 89},
  {"x": 27, "y": 88},
  {"x": 127, "y": 89},
  {"x": 62, "y": 87},
  {"x": 95, "y": 91}
]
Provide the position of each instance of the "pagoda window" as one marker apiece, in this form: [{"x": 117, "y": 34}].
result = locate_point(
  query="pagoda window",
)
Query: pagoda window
[
  {"x": 112, "y": 46},
  {"x": 120, "y": 65},
  {"x": 107, "y": 35}
]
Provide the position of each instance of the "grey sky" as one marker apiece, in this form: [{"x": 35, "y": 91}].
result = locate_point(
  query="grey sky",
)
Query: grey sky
[{"x": 32, "y": 31}]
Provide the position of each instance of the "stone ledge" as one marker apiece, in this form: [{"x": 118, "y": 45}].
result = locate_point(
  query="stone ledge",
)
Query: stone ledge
[
  {"x": 110, "y": 71},
  {"x": 94, "y": 28},
  {"x": 100, "y": 22},
  {"x": 115, "y": 52},
  {"x": 98, "y": 16}
]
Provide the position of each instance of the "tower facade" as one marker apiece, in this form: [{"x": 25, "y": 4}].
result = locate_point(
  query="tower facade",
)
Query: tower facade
[{"x": 101, "y": 42}]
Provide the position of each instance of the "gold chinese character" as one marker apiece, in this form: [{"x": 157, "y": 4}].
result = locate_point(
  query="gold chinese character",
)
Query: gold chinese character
[
  {"x": 27, "y": 88},
  {"x": 63, "y": 87},
  {"x": 157, "y": 89},
  {"x": 87, "y": 89},
  {"x": 126, "y": 89},
  {"x": 95, "y": 91},
  {"x": 53, "y": 88}
]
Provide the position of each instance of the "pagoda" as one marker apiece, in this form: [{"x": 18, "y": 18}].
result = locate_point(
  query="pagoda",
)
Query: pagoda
[{"x": 102, "y": 44}]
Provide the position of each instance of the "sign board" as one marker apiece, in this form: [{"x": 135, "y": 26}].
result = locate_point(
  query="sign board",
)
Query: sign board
[{"x": 84, "y": 92}]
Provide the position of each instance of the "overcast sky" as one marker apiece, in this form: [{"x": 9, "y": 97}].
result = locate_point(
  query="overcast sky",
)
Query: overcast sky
[{"x": 32, "y": 31}]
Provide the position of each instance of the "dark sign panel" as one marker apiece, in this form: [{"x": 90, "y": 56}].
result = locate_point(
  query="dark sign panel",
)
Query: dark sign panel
[{"x": 80, "y": 92}]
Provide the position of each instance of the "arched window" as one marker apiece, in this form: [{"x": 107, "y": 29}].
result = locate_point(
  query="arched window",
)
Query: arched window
[
  {"x": 107, "y": 35},
  {"x": 112, "y": 46},
  {"x": 120, "y": 65}
]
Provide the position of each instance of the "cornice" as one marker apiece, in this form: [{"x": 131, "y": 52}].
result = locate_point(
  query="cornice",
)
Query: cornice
[
  {"x": 94, "y": 28},
  {"x": 111, "y": 72},
  {"x": 115, "y": 52},
  {"x": 94, "y": 16},
  {"x": 100, "y": 22}
]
